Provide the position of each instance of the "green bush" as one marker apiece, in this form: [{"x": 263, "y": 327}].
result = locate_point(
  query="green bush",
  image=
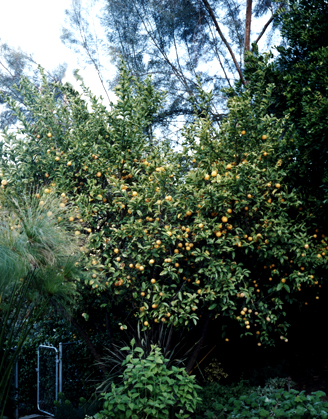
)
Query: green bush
[
  {"x": 215, "y": 392},
  {"x": 150, "y": 389},
  {"x": 280, "y": 404},
  {"x": 66, "y": 410}
]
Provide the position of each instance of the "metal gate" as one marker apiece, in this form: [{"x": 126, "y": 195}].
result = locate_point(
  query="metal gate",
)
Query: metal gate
[
  {"x": 47, "y": 381},
  {"x": 53, "y": 370}
]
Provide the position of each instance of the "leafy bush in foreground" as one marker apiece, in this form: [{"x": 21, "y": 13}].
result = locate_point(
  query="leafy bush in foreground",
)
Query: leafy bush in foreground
[{"x": 150, "y": 389}]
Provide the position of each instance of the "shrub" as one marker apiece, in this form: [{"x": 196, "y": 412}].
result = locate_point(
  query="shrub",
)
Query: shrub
[
  {"x": 221, "y": 394},
  {"x": 215, "y": 392},
  {"x": 280, "y": 404},
  {"x": 150, "y": 389}
]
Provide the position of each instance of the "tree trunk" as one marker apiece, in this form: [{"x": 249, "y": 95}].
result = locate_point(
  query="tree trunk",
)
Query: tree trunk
[
  {"x": 200, "y": 343},
  {"x": 248, "y": 25}
]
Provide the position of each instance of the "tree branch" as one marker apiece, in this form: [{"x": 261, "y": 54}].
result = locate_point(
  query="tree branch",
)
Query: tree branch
[
  {"x": 263, "y": 30},
  {"x": 211, "y": 13}
]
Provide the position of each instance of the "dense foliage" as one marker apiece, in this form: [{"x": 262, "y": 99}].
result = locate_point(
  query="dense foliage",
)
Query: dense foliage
[
  {"x": 280, "y": 404},
  {"x": 300, "y": 79}
]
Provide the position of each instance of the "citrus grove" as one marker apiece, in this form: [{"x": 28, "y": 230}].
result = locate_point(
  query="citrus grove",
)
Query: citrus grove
[{"x": 210, "y": 230}]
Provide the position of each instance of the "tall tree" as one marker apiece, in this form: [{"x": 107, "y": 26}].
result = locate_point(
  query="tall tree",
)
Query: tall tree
[{"x": 174, "y": 41}]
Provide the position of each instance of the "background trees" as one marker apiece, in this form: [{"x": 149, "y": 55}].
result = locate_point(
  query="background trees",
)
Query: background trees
[
  {"x": 174, "y": 41},
  {"x": 15, "y": 64}
]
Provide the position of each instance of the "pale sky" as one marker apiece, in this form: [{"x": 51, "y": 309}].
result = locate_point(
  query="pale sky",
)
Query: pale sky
[{"x": 35, "y": 27}]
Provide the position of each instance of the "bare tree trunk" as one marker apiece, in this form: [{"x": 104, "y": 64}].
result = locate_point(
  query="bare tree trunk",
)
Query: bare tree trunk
[
  {"x": 200, "y": 343},
  {"x": 248, "y": 25}
]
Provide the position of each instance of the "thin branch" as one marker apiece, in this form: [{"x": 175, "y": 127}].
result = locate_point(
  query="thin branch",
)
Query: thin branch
[
  {"x": 180, "y": 76},
  {"x": 263, "y": 30},
  {"x": 78, "y": 17},
  {"x": 218, "y": 55},
  {"x": 211, "y": 13}
]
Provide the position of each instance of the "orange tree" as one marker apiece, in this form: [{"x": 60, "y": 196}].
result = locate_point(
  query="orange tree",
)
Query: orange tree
[{"x": 211, "y": 230}]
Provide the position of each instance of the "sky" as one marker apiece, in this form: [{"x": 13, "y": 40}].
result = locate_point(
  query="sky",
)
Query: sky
[{"x": 35, "y": 27}]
